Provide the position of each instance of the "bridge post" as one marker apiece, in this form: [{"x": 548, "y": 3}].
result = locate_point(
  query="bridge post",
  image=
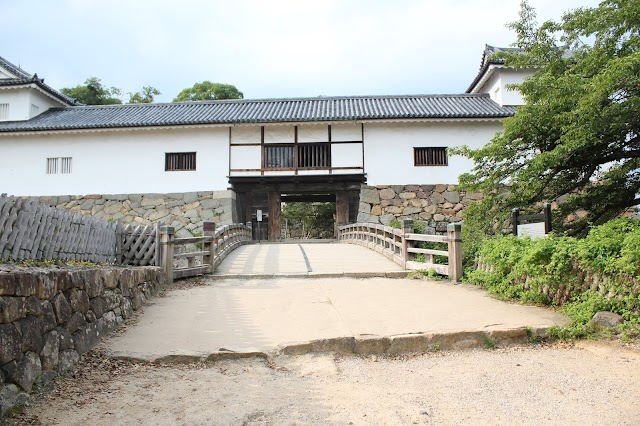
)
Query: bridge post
[
  {"x": 208, "y": 229},
  {"x": 407, "y": 228},
  {"x": 167, "y": 239},
  {"x": 454, "y": 240}
]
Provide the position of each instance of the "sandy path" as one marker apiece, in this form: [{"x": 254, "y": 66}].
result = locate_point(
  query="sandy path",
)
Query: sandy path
[{"x": 553, "y": 385}]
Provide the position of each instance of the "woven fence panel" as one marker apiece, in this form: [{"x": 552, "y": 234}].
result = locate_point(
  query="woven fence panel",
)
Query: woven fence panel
[
  {"x": 138, "y": 245},
  {"x": 30, "y": 230}
]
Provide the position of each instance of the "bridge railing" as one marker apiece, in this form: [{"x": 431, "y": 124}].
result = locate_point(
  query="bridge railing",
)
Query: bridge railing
[
  {"x": 400, "y": 245},
  {"x": 204, "y": 253}
]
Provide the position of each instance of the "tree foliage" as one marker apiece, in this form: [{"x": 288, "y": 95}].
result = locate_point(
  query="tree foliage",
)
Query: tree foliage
[
  {"x": 208, "y": 91},
  {"x": 92, "y": 92},
  {"x": 145, "y": 96},
  {"x": 576, "y": 141},
  {"x": 310, "y": 220}
]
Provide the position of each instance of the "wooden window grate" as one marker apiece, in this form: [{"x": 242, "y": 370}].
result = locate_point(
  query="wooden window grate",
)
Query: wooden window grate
[
  {"x": 4, "y": 111},
  {"x": 430, "y": 156},
  {"x": 314, "y": 155},
  {"x": 179, "y": 161},
  {"x": 309, "y": 156},
  {"x": 58, "y": 165},
  {"x": 279, "y": 156}
]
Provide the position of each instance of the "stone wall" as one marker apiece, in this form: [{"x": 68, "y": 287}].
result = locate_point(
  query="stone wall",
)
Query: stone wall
[
  {"x": 438, "y": 205},
  {"x": 185, "y": 211},
  {"x": 49, "y": 317}
]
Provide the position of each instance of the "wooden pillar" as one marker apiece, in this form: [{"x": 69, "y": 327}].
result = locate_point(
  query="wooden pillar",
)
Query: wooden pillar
[
  {"x": 407, "y": 228},
  {"x": 208, "y": 229},
  {"x": 514, "y": 220},
  {"x": 167, "y": 234},
  {"x": 454, "y": 238},
  {"x": 248, "y": 207},
  {"x": 274, "y": 215},
  {"x": 342, "y": 210}
]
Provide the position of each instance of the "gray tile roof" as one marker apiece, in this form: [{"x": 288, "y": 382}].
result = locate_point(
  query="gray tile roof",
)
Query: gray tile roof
[
  {"x": 23, "y": 78},
  {"x": 487, "y": 60},
  {"x": 17, "y": 71},
  {"x": 263, "y": 111}
]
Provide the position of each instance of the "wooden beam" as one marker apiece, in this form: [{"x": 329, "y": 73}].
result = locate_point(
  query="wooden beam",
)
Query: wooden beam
[
  {"x": 342, "y": 210},
  {"x": 248, "y": 206},
  {"x": 274, "y": 215},
  {"x": 308, "y": 198}
]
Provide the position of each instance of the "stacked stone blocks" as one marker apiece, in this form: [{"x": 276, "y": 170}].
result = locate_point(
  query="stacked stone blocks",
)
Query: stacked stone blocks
[
  {"x": 185, "y": 211},
  {"x": 49, "y": 317},
  {"x": 438, "y": 205}
]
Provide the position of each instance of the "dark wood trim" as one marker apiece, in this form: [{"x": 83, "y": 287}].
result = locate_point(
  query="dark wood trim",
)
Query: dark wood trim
[
  {"x": 262, "y": 150},
  {"x": 329, "y": 135},
  {"x": 301, "y": 168},
  {"x": 229, "y": 148},
  {"x": 308, "y": 198},
  {"x": 295, "y": 149},
  {"x": 362, "y": 136},
  {"x": 301, "y": 143}
]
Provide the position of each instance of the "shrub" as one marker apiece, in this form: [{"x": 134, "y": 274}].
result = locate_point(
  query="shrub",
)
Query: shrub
[{"x": 599, "y": 272}]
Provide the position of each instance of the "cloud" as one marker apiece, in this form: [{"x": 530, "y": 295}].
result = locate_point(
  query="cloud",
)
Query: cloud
[{"x": 275, "y": 48}]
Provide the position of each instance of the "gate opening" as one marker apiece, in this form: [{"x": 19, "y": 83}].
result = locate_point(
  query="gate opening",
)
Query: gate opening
[{"x": 308, "y": 220}]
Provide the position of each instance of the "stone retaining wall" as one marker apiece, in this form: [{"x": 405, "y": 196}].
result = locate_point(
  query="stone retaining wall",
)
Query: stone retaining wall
[
  {"x": 438, "y": 205},
  {"x": 185, "y": 211},
  {"x": 49, "y": 317}
]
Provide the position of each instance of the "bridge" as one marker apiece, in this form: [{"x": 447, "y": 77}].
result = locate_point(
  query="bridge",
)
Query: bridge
[
  {"x": 313, "y": 259},
  {"x": 301, "y": 297},
  {"x": 362, "y": 248}
]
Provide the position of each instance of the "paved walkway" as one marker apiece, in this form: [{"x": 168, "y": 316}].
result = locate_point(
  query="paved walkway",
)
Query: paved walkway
[
  {"x": 262, "y": 314},
  {"x": 305, "y": 259}
]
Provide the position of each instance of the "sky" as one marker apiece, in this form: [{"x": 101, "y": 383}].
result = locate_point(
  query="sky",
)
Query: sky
[{"x": 266, "y": 48}]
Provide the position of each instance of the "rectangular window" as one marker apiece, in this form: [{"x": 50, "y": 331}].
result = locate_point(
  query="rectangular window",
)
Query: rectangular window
[
  {"x": 310, "y": 156},
  {"x": 34, "y": 110},
  {"x": 58, "y": 165},
  {"x": 431, "y": 156},
  {"x": 279, "y": 156},
  {"x": 314, "y": 155},
  {"x": 4, "y": 111},
  {"x": 179, "y": 161}
]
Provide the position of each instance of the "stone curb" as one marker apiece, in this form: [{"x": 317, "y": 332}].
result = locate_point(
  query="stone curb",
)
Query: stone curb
[
  {"x": 418, "y": 342},
  {"x": 172, "y": 359},
  {"x": 365, "y": 345},
  {"x": 390, "y": 274}
]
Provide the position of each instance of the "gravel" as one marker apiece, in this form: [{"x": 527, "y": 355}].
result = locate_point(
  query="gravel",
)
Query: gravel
[{"x": 586, "y": 384}]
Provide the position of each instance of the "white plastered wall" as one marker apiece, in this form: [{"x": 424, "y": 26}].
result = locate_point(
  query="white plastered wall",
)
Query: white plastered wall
[
  {"x": 41, "y": 101},
  {"x": 389, "y": 150},
  {"x": 342, "y": 155},
  {"x": 21, "y": 99},
  {"x": 114, "y": 162},
  {"x": 496, "y": 85}
]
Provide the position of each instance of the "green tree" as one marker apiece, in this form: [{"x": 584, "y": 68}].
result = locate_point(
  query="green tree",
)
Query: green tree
[
  {"x": 576, "y": 141},
  {"x": 145, "y": 96},
  {"x": 92, "y": 92},
  {"x": 208, "y": 91},
  {"x": 310, "y": 220}
]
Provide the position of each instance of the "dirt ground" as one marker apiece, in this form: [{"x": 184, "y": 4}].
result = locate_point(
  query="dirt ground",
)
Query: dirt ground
[{"x": 586, "y": 384}]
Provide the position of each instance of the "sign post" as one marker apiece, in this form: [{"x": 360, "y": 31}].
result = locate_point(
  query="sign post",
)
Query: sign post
[
  {"x": 259, "y": 220},
  {"x": 537, "y": 225}
]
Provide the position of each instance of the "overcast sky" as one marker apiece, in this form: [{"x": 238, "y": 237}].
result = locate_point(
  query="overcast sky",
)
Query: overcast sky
[{"x": 267, "y": 48}]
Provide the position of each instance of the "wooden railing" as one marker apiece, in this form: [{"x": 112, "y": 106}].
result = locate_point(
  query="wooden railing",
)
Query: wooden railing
[
  {"x": 210, "y": 249},
  {"x": 399, "y": 245}
]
